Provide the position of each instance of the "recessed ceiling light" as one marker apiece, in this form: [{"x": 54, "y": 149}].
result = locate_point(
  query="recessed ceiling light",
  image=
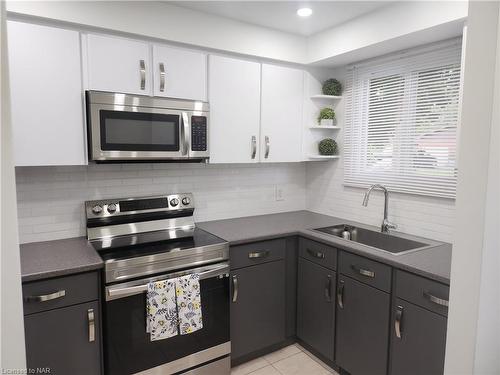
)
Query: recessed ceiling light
[{"x": 304, "y": 12}]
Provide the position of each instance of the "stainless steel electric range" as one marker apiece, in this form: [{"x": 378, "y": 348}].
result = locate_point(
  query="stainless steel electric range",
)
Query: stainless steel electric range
[{"x": 155, "y": 238}]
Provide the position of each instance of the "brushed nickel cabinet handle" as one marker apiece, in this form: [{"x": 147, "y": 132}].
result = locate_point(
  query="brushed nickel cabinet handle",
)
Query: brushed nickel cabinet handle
[
  {"x": 316, "y": 254},
  {"x": 436, "y": 300},
  {"x": 91, "y": 320},
  {"x": 397, "y": 321},
  {"x": 328, "y": 288},
  {"x": 340, "y": 294},
  {"x": 254, "y": 146},
  {"x": 235, "y": 288},
  {"x": 46, "y": 297},
  {"x": 268, "y": 146},
  {"x": 258, "y": 254},
  {"x": 363, "y": 272},
  {"x": 162, "y": 77},
  {"x": 142, "y": 66}
]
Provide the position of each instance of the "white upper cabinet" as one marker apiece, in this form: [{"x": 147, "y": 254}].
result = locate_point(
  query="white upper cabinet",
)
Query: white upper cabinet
[
  {"x": 234, "y": 96},
  {"x": 281, "y": 117},
  {"x": 179, "y": 73},
  {"x": 46, "y": 95},
  {"x": 118, "y": 65}
]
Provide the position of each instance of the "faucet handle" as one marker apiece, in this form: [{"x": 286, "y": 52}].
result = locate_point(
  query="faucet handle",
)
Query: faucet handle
[{"x": 388, "y": 226}]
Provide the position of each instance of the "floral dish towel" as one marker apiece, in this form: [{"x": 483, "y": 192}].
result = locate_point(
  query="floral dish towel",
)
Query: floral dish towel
[
  {"x": 189, "y": 303},
  {"x": 162, "y": 320}
]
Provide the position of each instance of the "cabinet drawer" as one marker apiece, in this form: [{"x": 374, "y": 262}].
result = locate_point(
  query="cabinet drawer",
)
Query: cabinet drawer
[
  {"x": 318, "y": 253},
  {"x": 365, "y": 270},
  {"x": 423, "y": 292},
  {"x": 63, "y": 291},
  {"x": 256, "y": 253}
]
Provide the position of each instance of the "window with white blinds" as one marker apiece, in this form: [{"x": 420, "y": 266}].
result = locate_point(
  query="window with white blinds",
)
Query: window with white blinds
[{"x": 401, "y": 121}]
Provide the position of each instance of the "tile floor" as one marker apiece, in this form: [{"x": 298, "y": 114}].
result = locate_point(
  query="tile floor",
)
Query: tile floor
[{"x": 292, "y": 360}]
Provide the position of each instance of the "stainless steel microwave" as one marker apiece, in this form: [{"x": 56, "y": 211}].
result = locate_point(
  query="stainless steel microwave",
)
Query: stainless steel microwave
[{"x": 123, "y": 127}]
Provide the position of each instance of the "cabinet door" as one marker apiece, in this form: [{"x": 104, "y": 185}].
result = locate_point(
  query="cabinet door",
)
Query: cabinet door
[
  {"x": 61, "y": 340},
  {"x": 179, "y": 73},
  {"x": 46, "y": 95},
  {"x": 362, "y": 328},
  {"x": 257, "y": 308},
  {"x": 282, "y": 101},
  {"x": 420, "y": 347},
  {"x": 118, "y": 65},
  {"x": 234, "y": 95},
  {"x": 316, "y": 307}
]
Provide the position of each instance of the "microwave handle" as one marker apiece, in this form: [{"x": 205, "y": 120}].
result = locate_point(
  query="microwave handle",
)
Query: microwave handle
[{"x": 185, "y": 133}]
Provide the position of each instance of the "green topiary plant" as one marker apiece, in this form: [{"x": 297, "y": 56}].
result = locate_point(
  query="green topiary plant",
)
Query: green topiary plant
[
  {"x": 332, "y": 87},
  {"x": 326, "y": 114},
  {"x": 327, "y": 146}
]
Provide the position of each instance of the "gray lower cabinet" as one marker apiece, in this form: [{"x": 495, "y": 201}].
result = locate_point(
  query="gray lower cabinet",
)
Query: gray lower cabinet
[
  {"x": 316, "y": 307},
  {"x": 362, "y": 332},
  {"x": 257, "y": 308},
  {"x": 66, "y": 340},
  {"x": 418, "y": 340},
  {"x": 62, "y": 325}
]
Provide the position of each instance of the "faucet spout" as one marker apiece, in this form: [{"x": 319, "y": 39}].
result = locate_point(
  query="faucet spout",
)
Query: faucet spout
[{"x": 386, "y": 225}]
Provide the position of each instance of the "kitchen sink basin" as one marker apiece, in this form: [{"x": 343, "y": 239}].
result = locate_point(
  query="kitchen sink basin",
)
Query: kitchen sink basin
[{"x": 381, "y": 241}]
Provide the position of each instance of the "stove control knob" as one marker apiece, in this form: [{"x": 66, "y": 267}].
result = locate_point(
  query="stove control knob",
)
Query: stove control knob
[
  {"x": 97, "y": 209},
  {"x": 174, "y": 202},
  {"x": 186, "y": 201},
  {"x": 111, "y": 208}
]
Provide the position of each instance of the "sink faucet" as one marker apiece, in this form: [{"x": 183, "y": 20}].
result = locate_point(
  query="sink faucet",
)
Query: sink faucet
[{"x": 386, "y": 225}]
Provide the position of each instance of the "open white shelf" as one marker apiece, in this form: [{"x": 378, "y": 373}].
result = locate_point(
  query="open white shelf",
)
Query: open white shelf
[
  {"x": 326, "y": 97},
  {"x": 330, "y": 127},
  {"x": 323, "y": 157}
]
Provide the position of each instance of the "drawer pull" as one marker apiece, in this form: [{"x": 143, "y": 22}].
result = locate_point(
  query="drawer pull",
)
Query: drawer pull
[
  {"x": 363, "y": 272},
  {"x": 235, "y": 288},
  {"x": 436, "y": 300},
  {"x": 91, "y": 320},
  {"x": 316, "y": 254},
  {"x": 397, "y": 321},
  {"x": 46, "y": 297},
  {"x": 340, "y": 294},
  {"x": 328, "y": 289},
  {"x": 258, "y": 254}
]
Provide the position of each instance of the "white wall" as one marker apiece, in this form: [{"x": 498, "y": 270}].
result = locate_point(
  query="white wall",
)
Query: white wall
[
  {"x": 473, "y": 245},
  {"x": 418, "y": 215},
  {"x": 12, "y": 330},
  {"x": 172, "y": 23},
  {"x": 400, "y": 25},
  {"x": 487, "y": 360},
  {"x": 50, "y": 199}
]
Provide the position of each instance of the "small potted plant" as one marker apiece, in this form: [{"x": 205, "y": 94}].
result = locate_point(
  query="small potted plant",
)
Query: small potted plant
[
  {"x": 332, "y": 87},
  {"x": 326, "y": 116},
  {"x": 327, "y": 146}
]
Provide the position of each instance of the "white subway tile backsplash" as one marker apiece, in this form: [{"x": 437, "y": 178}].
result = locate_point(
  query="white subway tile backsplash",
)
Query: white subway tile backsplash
[{"x": 50, "y": 199}]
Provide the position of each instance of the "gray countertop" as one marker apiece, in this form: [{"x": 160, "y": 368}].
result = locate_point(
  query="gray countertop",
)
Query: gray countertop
[
  {"x": 434, "y": 262},
  {"x": 42, "y": 260}
]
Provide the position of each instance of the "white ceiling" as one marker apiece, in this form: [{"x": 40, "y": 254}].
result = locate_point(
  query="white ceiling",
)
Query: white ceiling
[{"x": 281, "y": 15}]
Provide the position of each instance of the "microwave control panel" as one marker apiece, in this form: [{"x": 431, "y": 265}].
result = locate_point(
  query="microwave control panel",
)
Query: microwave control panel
[{"x": 198, "y": 133}]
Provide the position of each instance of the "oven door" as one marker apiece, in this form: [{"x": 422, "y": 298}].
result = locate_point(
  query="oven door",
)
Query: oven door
[
  {"x": 128, "y": 348},
  {"x": 120, "y": 132}
]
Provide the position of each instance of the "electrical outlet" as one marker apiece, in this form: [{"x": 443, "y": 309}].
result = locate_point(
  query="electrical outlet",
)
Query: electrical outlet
[{"x": 279, "y": 193}]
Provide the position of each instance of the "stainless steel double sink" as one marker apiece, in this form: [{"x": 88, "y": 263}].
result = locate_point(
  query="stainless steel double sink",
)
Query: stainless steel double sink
[{"x": 381, "y": 241}]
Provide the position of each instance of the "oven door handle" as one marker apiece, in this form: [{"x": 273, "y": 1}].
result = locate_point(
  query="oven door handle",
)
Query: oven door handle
[{"x": 117, "y": 291}]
